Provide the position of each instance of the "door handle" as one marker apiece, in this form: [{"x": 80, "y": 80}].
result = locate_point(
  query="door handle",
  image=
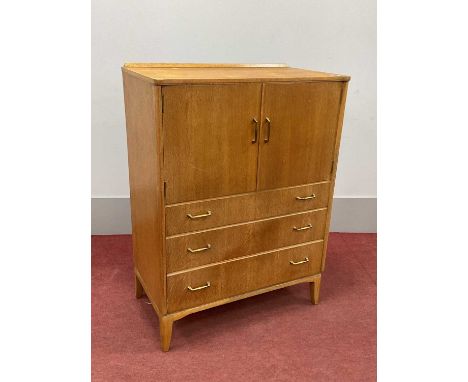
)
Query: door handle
[
  {"x": 267, "y": 130},
  {"x": 255, "y": 132}
]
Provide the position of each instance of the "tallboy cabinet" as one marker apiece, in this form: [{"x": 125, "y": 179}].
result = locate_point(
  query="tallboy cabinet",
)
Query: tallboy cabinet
[{"x": 232, "y": 170}]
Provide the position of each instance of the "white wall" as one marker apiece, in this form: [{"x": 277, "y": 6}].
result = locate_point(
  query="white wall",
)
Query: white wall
[{"x": 333, "y": 35}]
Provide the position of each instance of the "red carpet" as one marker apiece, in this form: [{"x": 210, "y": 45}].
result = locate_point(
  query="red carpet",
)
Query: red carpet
[{"x": 278, "y": 336}]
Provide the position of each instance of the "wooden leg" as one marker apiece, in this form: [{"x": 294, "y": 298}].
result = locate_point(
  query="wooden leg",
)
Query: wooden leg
[
  {"x": 315, "y": 291},
  {"x": 165, "y": 329},
  {"x": 139, "y": 291}
]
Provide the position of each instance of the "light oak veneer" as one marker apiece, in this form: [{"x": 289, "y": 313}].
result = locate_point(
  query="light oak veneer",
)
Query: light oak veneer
[{"x": 232, "y": 170}]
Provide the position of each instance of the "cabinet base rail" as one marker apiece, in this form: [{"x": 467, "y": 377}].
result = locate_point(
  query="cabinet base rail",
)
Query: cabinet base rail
[{"x": 166, "y": 321}]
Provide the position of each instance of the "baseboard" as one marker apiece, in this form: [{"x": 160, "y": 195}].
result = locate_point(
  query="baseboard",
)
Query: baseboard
[
  {"x": 111, "y": 216},
  {"x": 354, "y": 215}
]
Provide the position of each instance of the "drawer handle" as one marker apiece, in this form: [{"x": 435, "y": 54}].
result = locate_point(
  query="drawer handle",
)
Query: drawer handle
[
  {"x": 305, "y": 197},
  {"x": 200, "y": 287},
  {"x": 308, "y": 226},
  {"x": 208, "y": 246},
  {"x": 199, "y": 216},
  {"x": 306, "y": 260}
]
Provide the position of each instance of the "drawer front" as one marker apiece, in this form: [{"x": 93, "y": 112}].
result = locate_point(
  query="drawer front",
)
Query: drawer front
[
  {"x": 196, "y": 249},
  {"x": 194, "y": 216},
  {"x": 236, "y": 277}
]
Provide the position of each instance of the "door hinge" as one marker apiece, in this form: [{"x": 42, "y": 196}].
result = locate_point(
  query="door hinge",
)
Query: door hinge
[
  {"x": 165, "y": 190},
  {"x": 332, "y": 166},
  {"x": 162, "y": 103}
]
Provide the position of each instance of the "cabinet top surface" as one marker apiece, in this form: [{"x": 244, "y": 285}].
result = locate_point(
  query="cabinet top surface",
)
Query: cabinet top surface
[{"x": 160, "y": 73}]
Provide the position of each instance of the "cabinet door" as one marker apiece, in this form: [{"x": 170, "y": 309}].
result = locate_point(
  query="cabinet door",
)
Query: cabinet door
[
  {"x": 209, "y": 140},
  {"x": 298, "y": 133}
]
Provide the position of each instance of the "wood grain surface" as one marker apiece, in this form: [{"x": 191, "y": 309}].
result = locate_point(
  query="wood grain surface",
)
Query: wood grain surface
[
  {"x": 208, "y": 149},
  {"x": 142, "y": 105},
  {"x": 301, "y": 133},
  {"x": 166, "y": 74},
  {"x": 217, "y": 244},
  {"x": 243, "y": 208},
  {"x": 241, "y": 276}
]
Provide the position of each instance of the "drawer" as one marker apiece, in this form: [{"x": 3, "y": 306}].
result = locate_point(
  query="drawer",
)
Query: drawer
[
  {"x": 196, "y": 249},
  {"x": 209, "y": 213},
  {"x": 240, "y": 276}
]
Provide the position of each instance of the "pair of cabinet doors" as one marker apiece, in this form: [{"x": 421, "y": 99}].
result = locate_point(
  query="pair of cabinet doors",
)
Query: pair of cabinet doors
[{"x": 235, "y": 138}]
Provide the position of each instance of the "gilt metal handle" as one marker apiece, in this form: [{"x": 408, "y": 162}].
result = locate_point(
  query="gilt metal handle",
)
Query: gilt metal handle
[
  {"x": 255, "y": 133},
  {"x": 267, "y": 131},
  {"x": 306, "y": 197},
  {"x": 306, "y": 260},
  {"x": 208, "y": 213},
  {"x": 308, "y": 226},
  {"x": 208, "y": 246},
  {"x": 200, "y": 287}
]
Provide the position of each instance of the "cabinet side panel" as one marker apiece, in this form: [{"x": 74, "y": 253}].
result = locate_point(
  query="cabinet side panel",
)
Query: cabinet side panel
[
  {"x": 143, "y": 117},
  {"x": 344, "y": 92}
]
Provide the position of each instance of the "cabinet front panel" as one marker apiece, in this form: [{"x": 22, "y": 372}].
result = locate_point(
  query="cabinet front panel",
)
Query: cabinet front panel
[
  {"x": 243, "y": 208},
  {"x": 298, "y": 133},
  {"x": 208, "y": 132},
  {"x": 193, "y": 250},
  {"x": 241, "y": 276}
]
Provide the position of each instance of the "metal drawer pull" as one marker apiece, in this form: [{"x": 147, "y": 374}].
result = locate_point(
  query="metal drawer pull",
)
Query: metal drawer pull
[
  {"x": 305, "y": 197},
  {"x": 200, "y": 287},
  {"x": 254, "y": 139},
  {"x": 208, "y": 246},
  {"x": 306, "y": 260},
  {"x": 308, "y": 226},
  {"x": 267, "y": 132},
  {"x": 199, "y": 216}
]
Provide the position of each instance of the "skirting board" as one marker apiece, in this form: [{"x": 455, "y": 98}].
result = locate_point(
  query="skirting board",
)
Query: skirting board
[{"x": 111, "y": 216}]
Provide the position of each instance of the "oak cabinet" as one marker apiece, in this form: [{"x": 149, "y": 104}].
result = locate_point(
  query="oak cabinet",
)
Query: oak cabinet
[{"x": 232, "y": 172}]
